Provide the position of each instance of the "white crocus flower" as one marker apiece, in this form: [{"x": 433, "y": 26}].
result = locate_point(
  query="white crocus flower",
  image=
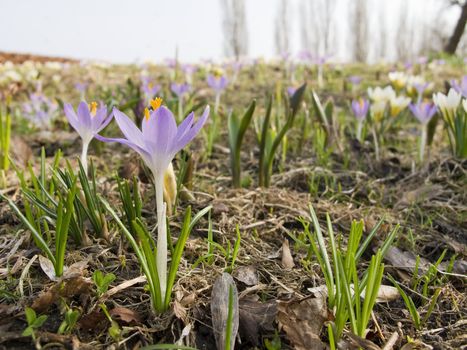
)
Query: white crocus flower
[
  {"x": 464, "y": 104},
  {"x": 378, "y": 94},
  {"x": 377, "y": 110},
  {"x": 398, "y": 104},
  {"x": 398, "y": 79},
  {"x": 447, "y": 104}
]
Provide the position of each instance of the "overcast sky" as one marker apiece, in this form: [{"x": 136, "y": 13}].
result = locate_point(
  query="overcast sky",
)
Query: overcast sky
[{"x": 129, "y": 31}]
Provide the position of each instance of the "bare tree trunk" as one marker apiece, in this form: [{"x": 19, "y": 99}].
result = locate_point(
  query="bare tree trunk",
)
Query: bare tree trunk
[
  {"x": 359, "y": 27},
  {"x": 282, "y": 28},
  {"x": 456, "y": 36},
  {"x": 235, "y": 28}
]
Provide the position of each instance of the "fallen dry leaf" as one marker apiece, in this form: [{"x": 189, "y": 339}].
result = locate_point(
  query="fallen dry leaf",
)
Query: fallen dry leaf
[
  {"x": 247, "y": 275},
  {"x": 302, "y": 321},
  {"x": 256, "y": 317},
  {"x": 220, "y": 309},
  {"x": 65, "y": 289},
  {"x": 48, "y": 268},
  {"x": 287, "y": 259},
  {"x": 125, "y": 315}
]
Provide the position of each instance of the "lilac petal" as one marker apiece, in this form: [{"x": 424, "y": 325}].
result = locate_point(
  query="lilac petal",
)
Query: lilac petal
[
  {"x": 84, "y": 117},
  {"x": 144, "y": 153},
  {"x": 185, "y": 125},
  {"x": 159, "y": 130},
  {"x": 97, "y": 120},
  {"x": 128, "y": 128},
  {"x": 71, "y": 116},
  {"x": 190, "y": 134},
  {"x": 104, "y": 123}
]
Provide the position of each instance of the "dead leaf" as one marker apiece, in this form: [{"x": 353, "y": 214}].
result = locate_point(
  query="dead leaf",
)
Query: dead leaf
[
  {"x": 220, "y": 309},
  {"x": 360, "y": 343},
  {"x": 385, "y": 293},
  {"x": 65, "y": 289},
  {"x": 247, "y": 275},
  {"x": 95, "y": 320},
  {"x": 302, "y": 321},
  {"x": 404, "y": 260},
  {"x": 48, "y": 268},
  {"x": 287, "y": 260},
  {"x": 180, "y": 311},
  {"x": 256, "y": 317},
  {"x": 125, "y": 315}
]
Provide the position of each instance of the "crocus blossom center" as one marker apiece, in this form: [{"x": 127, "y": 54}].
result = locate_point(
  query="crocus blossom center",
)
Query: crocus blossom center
[
  {"x": 93, "y": 108},
  {"x": 155, "y": 104}
]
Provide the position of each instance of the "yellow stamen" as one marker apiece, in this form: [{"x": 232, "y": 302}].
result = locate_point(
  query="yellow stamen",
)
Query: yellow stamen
[
  {"x": 146, "y": 113},
  {"x": 361, "y": 102},
  {"x": 156, "y": 103},
  {"x": 93, "y": 108}
]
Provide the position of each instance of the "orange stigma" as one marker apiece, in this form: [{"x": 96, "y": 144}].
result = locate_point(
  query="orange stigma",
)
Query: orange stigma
[
  {"x": 156, "y": 103},
  {"x": 93, "y": 108},
  {"x": 146, "y": 113}
]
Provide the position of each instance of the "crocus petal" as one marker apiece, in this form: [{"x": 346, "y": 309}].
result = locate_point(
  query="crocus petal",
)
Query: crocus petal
[
  {"x": 104, "y": 123},
  {"x": 72, "y": 117},
  {"x": 144, "y": 153},
  {"x": 191, "y": 133},
  {"x": 159, "y": 130},
  {"x": 185, "y": 125},
  {"x": 97, "y": 120},
  {"x": 84, "y": 117},
  {"x": 128, "y": 128}
]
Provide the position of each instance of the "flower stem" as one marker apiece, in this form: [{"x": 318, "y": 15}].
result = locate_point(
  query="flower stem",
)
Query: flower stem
[
  {"x": 359, "y": 130},
  {"x": 422, "y": 142},
  {"x": 375, "y": 139},
  {"x": 216, "y": 105},
  {"x": 84, "y": 156},
  {"x": 161, "y": 259}
]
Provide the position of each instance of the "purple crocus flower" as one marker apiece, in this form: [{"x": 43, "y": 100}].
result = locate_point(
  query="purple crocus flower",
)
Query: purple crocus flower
[
  {"x": 149, "y": 88},
  {"x": 355, "y": 79},
  {"x": 40, "y": 110},
  {"x": 217, "y": 83},
  {"x": 462, "y": 87},
  {"x": 87, "y": 122},
  {"x": 157, "y": 143},
  {"x": 360, "y": 108},
  {"x": 180, "y": 89},
  {"x": 423, "y": 111},
  {"x": 81, "y": 87},
  {"x": 291, "y": 90}
]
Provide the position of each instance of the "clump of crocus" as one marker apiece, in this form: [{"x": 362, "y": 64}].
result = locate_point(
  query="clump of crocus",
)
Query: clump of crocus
[
  {"x": 218, "y": 82},
  {"x": 40, "y": 110},
  {"x": 158, "y": 141},
  {"x": 455, "y": 119},
  {"x": 87, "y": 122},
  {"x": 180, "y": 90},
  {"x": 360, "y": 110},
  {"x": 423, "y": 111},
  {"x": 448, "y": 104}
]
